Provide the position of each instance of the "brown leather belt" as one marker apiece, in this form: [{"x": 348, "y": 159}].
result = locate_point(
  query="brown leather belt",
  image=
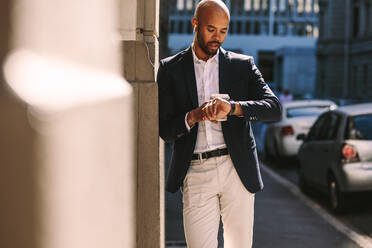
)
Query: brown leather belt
[{"x": 210, "y": 154}]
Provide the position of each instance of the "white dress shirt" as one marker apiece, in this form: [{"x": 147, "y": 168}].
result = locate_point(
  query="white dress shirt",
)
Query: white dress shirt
[{"x": 210, "y": 136}]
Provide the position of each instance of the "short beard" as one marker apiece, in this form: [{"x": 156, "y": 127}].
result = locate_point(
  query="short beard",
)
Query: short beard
[{"x": 205, "y": 47}]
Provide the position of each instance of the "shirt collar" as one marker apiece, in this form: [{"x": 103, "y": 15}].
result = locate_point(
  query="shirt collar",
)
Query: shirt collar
[{"x": 198, "y": 61}]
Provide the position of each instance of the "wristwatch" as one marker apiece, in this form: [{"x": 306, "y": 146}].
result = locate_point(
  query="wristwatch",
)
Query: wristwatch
[{"x": 233, "y": 106}]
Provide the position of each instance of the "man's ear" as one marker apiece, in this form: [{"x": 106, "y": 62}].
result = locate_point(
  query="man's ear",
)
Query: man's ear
[{"x": 194, "y": 24}]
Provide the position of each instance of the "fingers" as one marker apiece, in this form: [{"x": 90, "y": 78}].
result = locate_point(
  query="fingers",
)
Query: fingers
[
  {"x": 214, "y": 106},
  {"x": 214, "y": 109},
  {"x": 208, "y": 111}
]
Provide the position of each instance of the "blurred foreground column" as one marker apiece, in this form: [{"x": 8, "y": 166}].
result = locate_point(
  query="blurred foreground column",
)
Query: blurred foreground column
[
  {"x": 66, "y": 135},
  {"x": 139, "y": 30}
]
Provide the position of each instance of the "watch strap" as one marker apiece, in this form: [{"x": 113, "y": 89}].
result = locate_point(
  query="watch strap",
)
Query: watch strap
[{"x": 233, "y": 106}]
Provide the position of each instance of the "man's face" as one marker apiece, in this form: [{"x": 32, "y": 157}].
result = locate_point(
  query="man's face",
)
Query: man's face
[{"x": 211, "y": 31}]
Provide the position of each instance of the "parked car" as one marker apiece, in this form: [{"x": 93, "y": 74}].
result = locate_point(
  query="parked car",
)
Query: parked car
[
  {"x": 336, "y": 155},
  {"x": 298, "y": 116}
]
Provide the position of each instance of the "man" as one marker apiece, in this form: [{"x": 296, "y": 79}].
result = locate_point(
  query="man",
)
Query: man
[
  {"x": 214, "y": 161},
  {"x": 286, "y": 96}
]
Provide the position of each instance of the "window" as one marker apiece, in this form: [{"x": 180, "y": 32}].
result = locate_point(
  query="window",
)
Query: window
[
  {"x": 248, "y": 27},
  {"x": 356, "y": 24},
  {"x": 265, "y": 28},
  {"x": 256, "y": 5},
  {"x": 189, "y": 4},
  {"x": 180, "y": 4},
  {"x": 291, "y": 5},
  {"x": 265, "y": 5},
  {"x": 282, "y": 5},
  {"x": 300, "y": 6},
  {"x": 290, "y": 28},
  {"x": 307, "y": 111},
  {"x": 359, "y": 127},
  {"x": 316, "y": 129},
  {"x": 247, "y": 5},
  {"x": 266, "y": 64},
  {"x": 332, "y": 126},
  {"x": 300, "y": 29},
  {"x": 274, "y": 6},
  {"x": 238, "y": 27},
  {"x": 323, "y": 24},
  {"x": 365, "y": 76},
  {"x": 171, "y": 28},
  {"x": 309, "y": 30},
  {"x": 368, "y": 18},
  {"x": 316, "y": 32},
  {"x": 256, "y": 27},
  {"x": 180, "y": 27},
  {"x": 275, "y": 28},
  {"x": 308, "y": 6},
  {"x": 189, "y": 28},
  {"x": 353, "y": 81},
  {"x": 316, "y": 6}
]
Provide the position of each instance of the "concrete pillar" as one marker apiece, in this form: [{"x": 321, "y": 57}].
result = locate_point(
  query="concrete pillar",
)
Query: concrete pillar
[
  {"x": 66, "y": 149},
  {"x": 140, "y": 58}
]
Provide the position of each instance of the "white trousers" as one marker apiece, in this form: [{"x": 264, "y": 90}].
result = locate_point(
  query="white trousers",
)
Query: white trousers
[{"x": 212, "y": 188}]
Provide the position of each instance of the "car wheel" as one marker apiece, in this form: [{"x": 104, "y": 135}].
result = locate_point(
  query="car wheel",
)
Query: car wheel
[
  {"x": 302, "y": 184},
  {"x": 337, "y": 199}
]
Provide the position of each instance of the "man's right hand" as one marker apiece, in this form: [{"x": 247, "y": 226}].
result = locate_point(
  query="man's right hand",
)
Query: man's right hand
[{"x": 196, "y": 115}]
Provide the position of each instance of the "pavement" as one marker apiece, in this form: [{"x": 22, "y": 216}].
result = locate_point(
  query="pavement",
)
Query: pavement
[{"x": 281, "y": 220}]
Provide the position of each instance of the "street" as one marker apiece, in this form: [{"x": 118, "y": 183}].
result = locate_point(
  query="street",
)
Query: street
[
  {"x": 359, "y": 217},
  {"x": 284, "y": 219}
]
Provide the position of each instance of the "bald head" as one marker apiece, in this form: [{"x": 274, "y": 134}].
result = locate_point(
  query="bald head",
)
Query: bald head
[{"x": 205, "y": 7}]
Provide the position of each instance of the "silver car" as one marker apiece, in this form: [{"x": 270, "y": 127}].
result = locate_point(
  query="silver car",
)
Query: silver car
[
  {"x": 298, "y": 116},
  {"x": 336, "y": 155}
]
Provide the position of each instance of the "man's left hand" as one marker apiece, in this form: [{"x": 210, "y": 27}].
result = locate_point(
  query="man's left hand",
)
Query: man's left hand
[{"x": 216, "y": 108}]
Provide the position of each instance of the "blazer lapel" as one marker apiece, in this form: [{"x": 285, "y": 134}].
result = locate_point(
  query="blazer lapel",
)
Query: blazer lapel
[
  {"x": 223, "y": 72},
  {"x": 190, "y": 77}
]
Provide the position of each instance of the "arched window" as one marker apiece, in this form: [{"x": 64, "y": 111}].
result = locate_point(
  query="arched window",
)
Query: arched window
[
  {"x": 300, "y": 6},
  {"x": 180, "y": 4},
  {"x": 256, "y": 5},
  {"x": 247, "y": 5}
]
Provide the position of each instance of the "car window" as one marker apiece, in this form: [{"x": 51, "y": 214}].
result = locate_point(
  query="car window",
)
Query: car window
[
  {"x": 306, "y": 111},
  {"x": 330, "y": 130},
  {"x": 316, "y": 130},
  {"x": 359, "y": 127}
]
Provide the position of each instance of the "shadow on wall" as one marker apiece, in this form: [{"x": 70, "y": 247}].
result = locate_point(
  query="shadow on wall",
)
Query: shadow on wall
[
  {"x": 18, "y": 204},
  {"x": 18, "y": 189}
]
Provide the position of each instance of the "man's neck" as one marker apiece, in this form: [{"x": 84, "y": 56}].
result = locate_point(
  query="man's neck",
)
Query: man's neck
[{"x": 200, "y": 53}]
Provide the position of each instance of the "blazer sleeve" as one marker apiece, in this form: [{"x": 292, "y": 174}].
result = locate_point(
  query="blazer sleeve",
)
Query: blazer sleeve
[
  {"x": 171, "y": 123},
  {"x": 263, "y": 104}
]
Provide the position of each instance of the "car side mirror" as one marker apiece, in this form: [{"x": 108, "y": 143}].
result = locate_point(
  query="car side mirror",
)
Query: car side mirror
[{"x": 301, "y": 136}]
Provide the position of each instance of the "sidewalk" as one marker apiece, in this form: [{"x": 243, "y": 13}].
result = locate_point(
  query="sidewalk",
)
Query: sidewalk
[{"x": 281, "y": 220}]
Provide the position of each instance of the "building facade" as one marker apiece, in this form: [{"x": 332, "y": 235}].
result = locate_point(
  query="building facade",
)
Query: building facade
[
  {"x": 344, "y": 50},
  {"x": 260, "y": 28}
]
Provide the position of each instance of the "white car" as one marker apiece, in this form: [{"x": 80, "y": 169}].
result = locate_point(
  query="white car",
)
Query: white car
[
  {"x": 298, "y": 116},
  {"x": 336, "y": 155}
]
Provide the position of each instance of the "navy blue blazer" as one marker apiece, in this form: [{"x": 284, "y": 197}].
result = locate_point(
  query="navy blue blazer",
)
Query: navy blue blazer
[{"x": 238, "y": 77}]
